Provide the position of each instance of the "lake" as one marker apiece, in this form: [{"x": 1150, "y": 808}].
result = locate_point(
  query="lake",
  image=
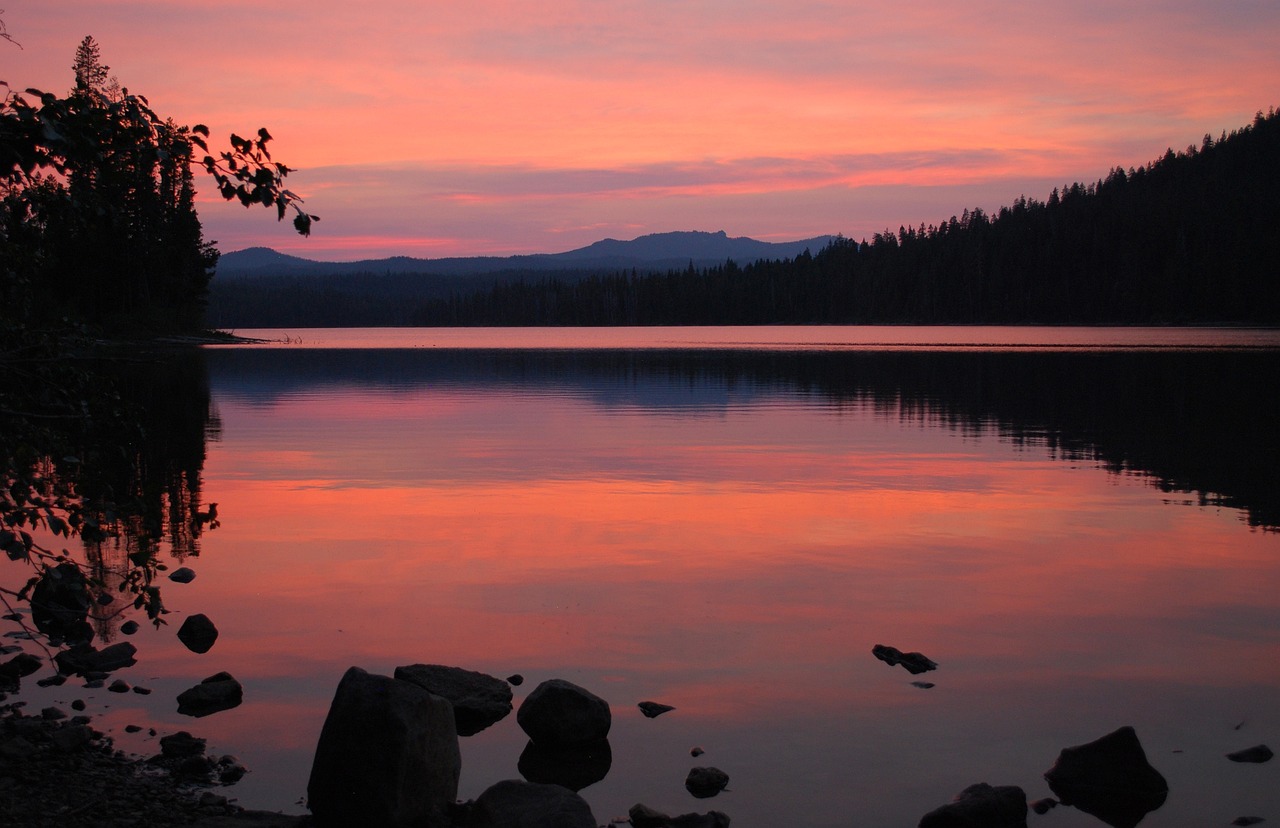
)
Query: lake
[{"x": 1079, "y": 525}]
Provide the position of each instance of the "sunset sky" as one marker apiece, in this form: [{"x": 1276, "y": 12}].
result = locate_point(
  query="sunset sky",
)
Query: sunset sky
[{"x": 436, "y": 129}]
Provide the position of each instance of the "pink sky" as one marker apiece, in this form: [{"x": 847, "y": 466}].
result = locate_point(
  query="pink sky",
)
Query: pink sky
[{"x": 444, "y": 129}]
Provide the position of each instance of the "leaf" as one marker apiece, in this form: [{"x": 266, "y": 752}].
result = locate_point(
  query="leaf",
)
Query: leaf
[{"x": 201, "y": 129}]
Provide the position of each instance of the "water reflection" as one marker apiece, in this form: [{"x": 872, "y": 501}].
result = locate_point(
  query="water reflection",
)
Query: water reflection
[{"x": 1200, "y": 422}]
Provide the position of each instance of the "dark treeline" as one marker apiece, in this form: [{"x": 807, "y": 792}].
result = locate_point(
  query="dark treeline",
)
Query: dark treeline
[{"x": 1188, "y": 238}]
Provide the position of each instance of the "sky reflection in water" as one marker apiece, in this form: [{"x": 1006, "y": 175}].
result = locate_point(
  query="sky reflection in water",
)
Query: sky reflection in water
[{"x": 735, "y": 549}]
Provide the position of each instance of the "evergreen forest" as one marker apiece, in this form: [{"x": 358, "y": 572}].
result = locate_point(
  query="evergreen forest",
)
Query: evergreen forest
[{"x": 1189, "y": 238}]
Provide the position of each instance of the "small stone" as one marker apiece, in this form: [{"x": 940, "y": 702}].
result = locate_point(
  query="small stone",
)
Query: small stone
[
  {"x": 1044, "y": 806},
  {"x": 142, "y": 691},
  {"x": 515, "y": 680},
  {"x": 652, "y": 710},
  {"x": 96, "y": 684},
  {"x": 133, "y": 728},
  {"x": 182, "y": 575},
  {"x": 923, "y": 685},
  {"x": 119, "y": 686},
  {"x": 78, "y": 704},
  {"x": 696, "y": 752},
  {"x": 216, "y": 693},
  {"x": 52, "y": 714},
  {"x": 704, "y": 783},
  {"x": 198, "y": 633},
  {"x": 1256, "y": 755},
  {"x": 52, "y": 681},
  {"x": 915, "y": 663}
]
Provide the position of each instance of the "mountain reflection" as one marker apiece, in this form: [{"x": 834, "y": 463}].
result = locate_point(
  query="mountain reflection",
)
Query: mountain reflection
[{"x": 1194, "y": 422}]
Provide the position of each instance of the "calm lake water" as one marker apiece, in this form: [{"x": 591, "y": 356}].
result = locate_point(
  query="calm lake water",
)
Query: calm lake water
[{"x": 1078, "y": 525}]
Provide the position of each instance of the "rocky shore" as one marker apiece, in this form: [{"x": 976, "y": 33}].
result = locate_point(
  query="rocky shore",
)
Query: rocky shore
[{"x": 59, "y": 772}]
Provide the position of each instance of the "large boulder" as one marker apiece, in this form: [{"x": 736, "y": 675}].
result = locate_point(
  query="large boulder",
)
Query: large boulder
[
  {"x": 517, "y": 804},
  {"x": 559, "y": 713},
  {"x": 478, "y": 699},
  {"x": 981, "y": 806},
  {"x": 387, "y": 755},
  {"x": 1109, "y": 778}
]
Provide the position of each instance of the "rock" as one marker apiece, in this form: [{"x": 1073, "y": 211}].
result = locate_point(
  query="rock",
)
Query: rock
[
  {"x": 21, "y": 666},
  {"x": 1109, "y": 778},
  {"x": 78, "y": 704},
  {"x": 923, "y": 685},
  {"x": 653, "y": 710},
  {"x": 515, "y": 680},
  {"x": 83, "y": 659},
  {"x": 1256, "y": 754},
  {"x": 142, "y": 691},
  {"x": 559, "y": 713},
  {"x": 180, "y": 745},
  {"x": 52, "y": 714},
  {"x": 642, "y": 816},
  {"x": 696, "y": 752},
  {"x": 198, "y": 633},
  {"x": 119, "y": 686},
  {"x": 182, "y": 575},
  {"x": 387, "y": 755},
  {"x": 915, "y": 663},
  {"x": 704, "y": 783},
  {"x": 52, "y": 681},
  {"x": 133, "y": 728},
  {"x": 516, "y": 804},
  {"x": 573, "y": 767},
  {"x": 478, "y": 699},
  {"x": 1044, "y": 806},
  {"x": 981, "y": 806},
  {"x": 216, "y": 693}
]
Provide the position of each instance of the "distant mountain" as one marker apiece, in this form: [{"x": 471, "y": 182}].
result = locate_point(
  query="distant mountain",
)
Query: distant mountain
[{"x": 655, "y": 252}]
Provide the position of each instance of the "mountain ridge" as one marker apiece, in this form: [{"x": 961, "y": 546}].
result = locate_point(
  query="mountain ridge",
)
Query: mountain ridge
[{"x": 654, "y": 251}]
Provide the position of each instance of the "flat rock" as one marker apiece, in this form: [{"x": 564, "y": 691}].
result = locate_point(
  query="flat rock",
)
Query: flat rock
[
  {"x": 915, "y": 663},
  {"x": 182, "y": 575},
  {"x": 653, "y": 710},
  {"x": 642, "y": 816},
  {"x": 981, "y": 806},
  {"x": 1256, "y": 755},
  {"x": 478, "y": 699},
  {"x": 83, "y": 659}
]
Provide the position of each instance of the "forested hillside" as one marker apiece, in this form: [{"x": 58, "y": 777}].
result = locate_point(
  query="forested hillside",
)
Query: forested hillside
[{"x": 1188, "y": 238}]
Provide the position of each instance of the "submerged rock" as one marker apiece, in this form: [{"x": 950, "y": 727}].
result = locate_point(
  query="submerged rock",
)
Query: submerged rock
[
  {"x": 915, "y": 663},
  {"x": 1109, "y": 778},
  {"x": 387, "y": 755},
  {"x": 573, "y": 767},
  {"x": 642, "y": 816},
  {"x": 478, "y": 699},
  {"x": 559, "y": 713},
  {"x": 705, "y": 783},
  {"x": 517, "y": 804},
  {"x": 981, "y": 806},
  {"x": 216, "y": 693}
]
